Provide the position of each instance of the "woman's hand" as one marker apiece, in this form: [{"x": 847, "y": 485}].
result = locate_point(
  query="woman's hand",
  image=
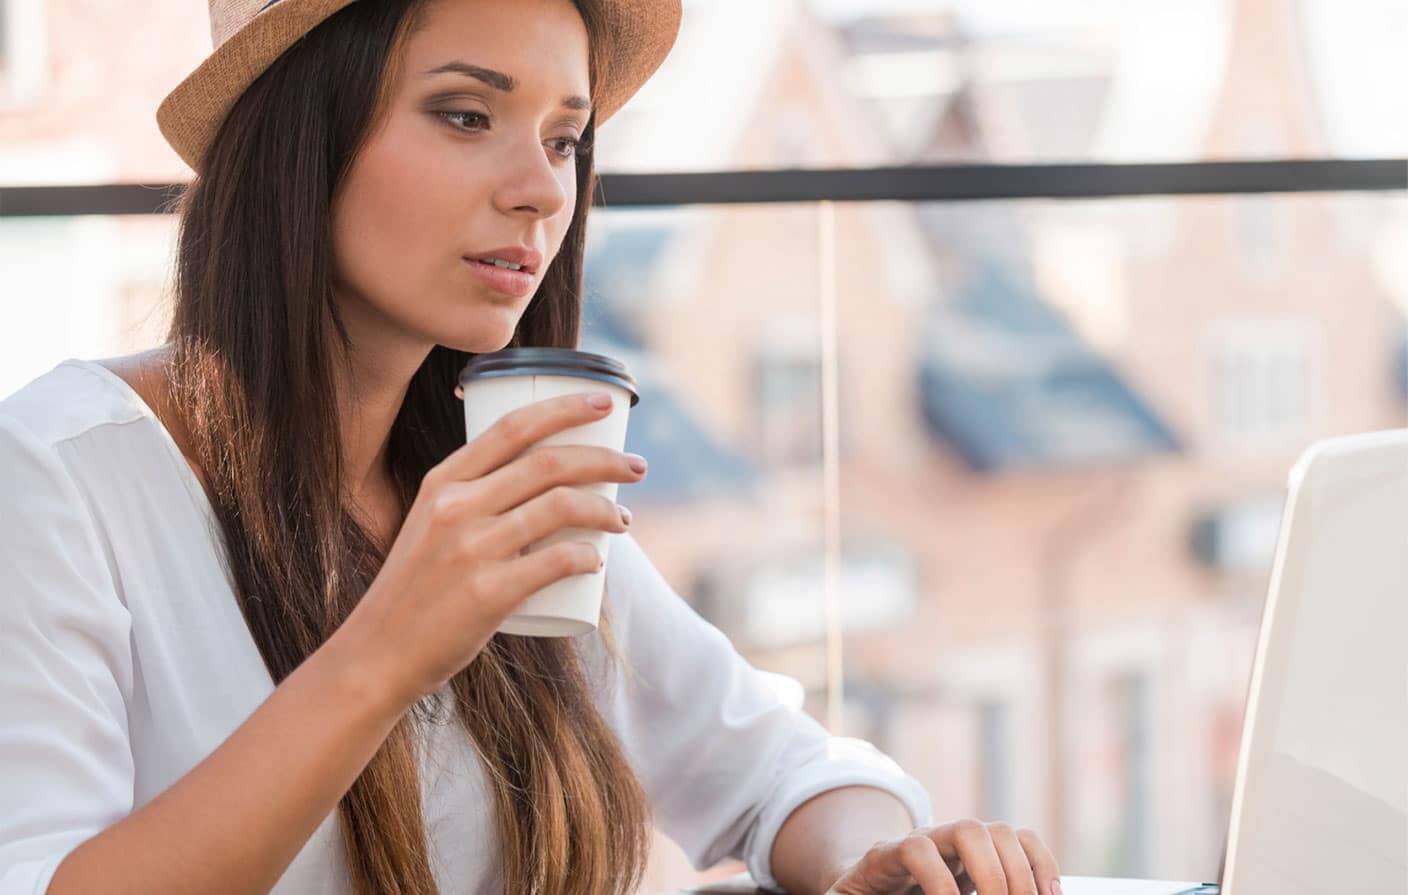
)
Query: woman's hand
[
  {"x": 955, "y": 859},
  {"x": 455, "y": 571}
]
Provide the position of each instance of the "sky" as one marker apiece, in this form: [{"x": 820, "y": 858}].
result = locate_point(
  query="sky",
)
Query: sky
[{"x": 1358, "y": 49}]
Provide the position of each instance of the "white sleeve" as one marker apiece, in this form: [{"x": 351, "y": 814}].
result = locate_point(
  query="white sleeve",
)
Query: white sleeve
[
  {"x": 723, "y": 756},
  {"x": 66, "y": 768}
]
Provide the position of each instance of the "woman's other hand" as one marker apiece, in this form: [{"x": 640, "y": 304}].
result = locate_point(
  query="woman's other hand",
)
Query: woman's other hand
[{"x": 967, "y": 856}]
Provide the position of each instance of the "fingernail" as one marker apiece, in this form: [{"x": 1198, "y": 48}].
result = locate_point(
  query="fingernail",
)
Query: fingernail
[
  {"x": 600, "y": 400},
  {"x": 625, "y": 515},
  {"x": 636, "y": 462},
  {"x": 1055, "y": 887}
]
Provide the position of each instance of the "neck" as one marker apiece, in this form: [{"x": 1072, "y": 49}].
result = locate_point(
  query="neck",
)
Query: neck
[{"x": 367, "y": 407}]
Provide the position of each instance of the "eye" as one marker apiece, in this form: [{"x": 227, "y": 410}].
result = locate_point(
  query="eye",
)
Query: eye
[
  {"x": 453, "y": 114},
  {"x": 575, "y": 147}
]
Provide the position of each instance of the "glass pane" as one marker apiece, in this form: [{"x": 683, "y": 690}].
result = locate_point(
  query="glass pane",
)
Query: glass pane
[
  {"x": 1071, "y": 426},
  {"x": 770, "y": 83},
  {"x": 1064, "y": 432},
  {"x": 857, "y": 82},
  {"x": 113, "y": 301}
]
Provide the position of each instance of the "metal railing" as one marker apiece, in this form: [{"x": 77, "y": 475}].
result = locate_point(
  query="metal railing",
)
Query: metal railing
[{"x": 920, "y": 183}]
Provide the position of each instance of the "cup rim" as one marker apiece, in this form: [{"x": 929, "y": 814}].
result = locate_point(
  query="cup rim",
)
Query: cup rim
[{"x": 541, "y": 361}]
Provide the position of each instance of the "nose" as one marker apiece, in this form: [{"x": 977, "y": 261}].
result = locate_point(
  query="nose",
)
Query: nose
[{"x": 532, "y": 183}]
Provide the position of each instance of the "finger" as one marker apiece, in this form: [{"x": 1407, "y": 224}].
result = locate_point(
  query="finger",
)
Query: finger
[
  {"x": 881, "y": 869},
  {"x": 511, "y": 435},
  {"x": 503, "y": 585},
  {"x": 1042, "y": 861},
  {"x": 541, "y": 468},
  {"x": 562, "y": 507},
  {"x": 1020, "y": 879},
  {"x": 968, "y": 840},
  {"x": 920, "y": 857}
]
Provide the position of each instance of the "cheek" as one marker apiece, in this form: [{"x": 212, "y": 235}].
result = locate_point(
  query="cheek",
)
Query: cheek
[{"x": 394, "y": 229}]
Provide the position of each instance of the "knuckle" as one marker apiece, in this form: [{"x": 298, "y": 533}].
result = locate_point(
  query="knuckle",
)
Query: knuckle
[
  {"x": 968, "y": 828},
  {"x": 576, "y": 556},
  {"x": 474, "y": 583},
  {"x": 915, "y": 846},
  {"x": 1028, "y": 838},
  {"x": 516, "y": 521},
  {"x": 431, "y": 481},
  {"x": 511, "y": 427},
  {"x": 466, "y": 549},
  {"x": 562, "y": 500},
  {"x": 998, "y": 828},
  {"x": 506, "y": 431},
  {"x": 566, "y": 557},
  {"x": 445, "y": 507},
  {"x": 549, "y": 462}
]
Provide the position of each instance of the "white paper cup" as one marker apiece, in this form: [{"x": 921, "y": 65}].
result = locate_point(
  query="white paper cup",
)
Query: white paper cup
[{"x": 495, "y": 384}]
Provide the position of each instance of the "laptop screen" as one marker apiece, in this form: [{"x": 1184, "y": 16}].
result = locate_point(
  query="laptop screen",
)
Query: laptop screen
[{"x": 1324, "y": 779}]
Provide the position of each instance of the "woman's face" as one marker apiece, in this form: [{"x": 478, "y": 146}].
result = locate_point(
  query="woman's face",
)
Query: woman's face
[{"x": 457, "y": 167}]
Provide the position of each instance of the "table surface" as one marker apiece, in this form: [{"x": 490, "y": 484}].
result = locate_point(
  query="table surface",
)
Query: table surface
[{"x": 743, "y": 885}]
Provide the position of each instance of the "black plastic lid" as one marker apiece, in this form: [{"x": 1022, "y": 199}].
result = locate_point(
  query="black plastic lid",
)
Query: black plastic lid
[{"x": 550, "y": 362}]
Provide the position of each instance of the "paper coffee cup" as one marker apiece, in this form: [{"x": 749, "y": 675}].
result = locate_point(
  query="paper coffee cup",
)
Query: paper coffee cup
[{"x": 498, "y": 382}]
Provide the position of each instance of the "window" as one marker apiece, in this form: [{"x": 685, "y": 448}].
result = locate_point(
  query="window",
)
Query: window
[
  {"x": 776, "y": 602},
  {"x": 994, "y": 758},
  {"x": 794, "y": 137},
  {"x": 787, "y": 393},
  {"x": 1260, "y": 230},
  {"x": 788, "y": 389},
  {"x": 1129, "y": 694},
  {"x": 24, "y": 51},
  {"x": 1265, "y": 376}
]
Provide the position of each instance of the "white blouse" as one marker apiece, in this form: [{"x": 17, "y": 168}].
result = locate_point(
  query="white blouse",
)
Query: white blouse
[{"x": 124, "y": 660}]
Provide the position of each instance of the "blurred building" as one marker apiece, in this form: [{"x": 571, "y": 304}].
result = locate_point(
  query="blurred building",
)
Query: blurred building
[
  {"x": 78, "y": 94},
  {"x": 1064, "y": 427}
]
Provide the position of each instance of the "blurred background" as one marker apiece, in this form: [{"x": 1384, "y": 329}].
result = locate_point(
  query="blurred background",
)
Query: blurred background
[{"x": 994, "y": 484}]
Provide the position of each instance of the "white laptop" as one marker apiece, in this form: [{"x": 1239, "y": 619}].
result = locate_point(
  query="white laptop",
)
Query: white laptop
[{"x": 1320, "y": 805}]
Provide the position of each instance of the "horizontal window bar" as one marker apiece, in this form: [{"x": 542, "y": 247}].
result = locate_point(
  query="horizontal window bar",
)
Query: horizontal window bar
[{"x": 902, "y": 183}]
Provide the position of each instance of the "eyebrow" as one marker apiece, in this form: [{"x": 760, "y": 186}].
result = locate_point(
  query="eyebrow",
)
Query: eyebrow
[{"x": 500, "y": 81}]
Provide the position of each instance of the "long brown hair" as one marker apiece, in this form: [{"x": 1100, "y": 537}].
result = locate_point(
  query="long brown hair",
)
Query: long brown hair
[{"x": 253, "y": 356}]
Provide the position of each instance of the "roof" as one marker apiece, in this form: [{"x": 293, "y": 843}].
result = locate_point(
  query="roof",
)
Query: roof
[
  {"x": 618, "y": 272},
  {"x": 1006, "y": 381},
  {"x": 686, "y": 461}
]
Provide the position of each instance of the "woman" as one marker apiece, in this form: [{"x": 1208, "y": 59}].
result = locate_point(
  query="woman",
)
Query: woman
[{"x": 238, "y": 560}]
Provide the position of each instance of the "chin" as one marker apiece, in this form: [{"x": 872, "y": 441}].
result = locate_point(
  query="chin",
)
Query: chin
[{"x": 482, "y": 340}]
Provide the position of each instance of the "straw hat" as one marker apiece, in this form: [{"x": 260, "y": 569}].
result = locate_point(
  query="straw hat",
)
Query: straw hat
[{"x": 248, "y": 35}]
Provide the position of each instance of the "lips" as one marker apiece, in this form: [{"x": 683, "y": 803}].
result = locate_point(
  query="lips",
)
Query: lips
[
  {"x": 517, "y": 283},
  {"x": 528, "y": 258}
]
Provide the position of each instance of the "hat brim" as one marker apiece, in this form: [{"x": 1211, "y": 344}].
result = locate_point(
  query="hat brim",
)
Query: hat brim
[{"x": 638, "y": 36}]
